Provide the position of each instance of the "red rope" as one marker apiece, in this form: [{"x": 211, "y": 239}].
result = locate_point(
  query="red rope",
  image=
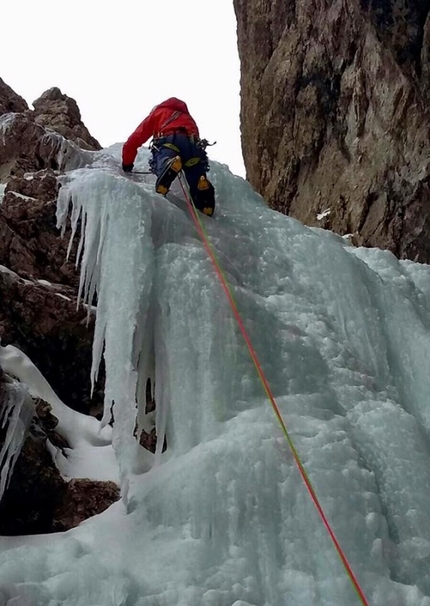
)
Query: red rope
[{"x": 271, "y": 397}]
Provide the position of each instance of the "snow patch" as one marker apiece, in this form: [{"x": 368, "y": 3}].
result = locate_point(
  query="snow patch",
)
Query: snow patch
[
  {"x": 324, "y": 213},
  {"x": 91, "y": 455},
  {"x": 18, "y": 195}
]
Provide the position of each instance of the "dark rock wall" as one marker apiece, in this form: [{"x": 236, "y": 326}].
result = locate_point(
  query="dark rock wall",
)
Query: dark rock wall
[
  {"x": 9, "y": 100},
  {"x": 39, "y": 313},
  {"x": 37, "y": 499},
  {"x": 38, "y": 305},
  {"x": 61, "y": 113},
  {"x": 335, "y": 117}
]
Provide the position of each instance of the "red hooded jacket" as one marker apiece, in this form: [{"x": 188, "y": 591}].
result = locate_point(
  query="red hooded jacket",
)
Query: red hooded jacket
[{"x": 161, "y": 120}]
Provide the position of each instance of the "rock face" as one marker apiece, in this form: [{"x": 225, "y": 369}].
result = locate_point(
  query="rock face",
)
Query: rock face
[
  {"x": 81, "y": 499},
  {"x": 30, "y": 243},
  {"x": 61, "y": 113},
  {"x": 335, "y": 117},
  {"x": 43, "y": 322},
  {"x": 38, "y": 305},
  {"x": 38, "y": 500},
  {"x": 31, "y": 141},
  {"x": 10, "y": 101}
]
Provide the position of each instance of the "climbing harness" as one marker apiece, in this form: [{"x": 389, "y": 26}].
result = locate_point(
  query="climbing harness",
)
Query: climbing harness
[
  {"x": 209, "y": 248},
  {"x": 188, "y": 163},
  {"x": 158, "y": 142}
]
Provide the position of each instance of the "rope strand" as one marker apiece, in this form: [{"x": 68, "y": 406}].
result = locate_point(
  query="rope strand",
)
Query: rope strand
[{"x": 209, "y": 248}]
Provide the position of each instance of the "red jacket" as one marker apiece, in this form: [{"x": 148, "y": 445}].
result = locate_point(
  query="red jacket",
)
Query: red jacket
[{"x": 162, "y": 119}]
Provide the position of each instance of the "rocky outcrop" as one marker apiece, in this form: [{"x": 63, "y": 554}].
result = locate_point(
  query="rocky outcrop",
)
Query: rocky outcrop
[
  {"x": 43, "y": 321},
  {"x": 82, "y": 499},
  {"x": 38, "y": 499},
  {"x": 61, "y": 113},
  {"x": 53, "y": 111},
  {"x": 38, "y": 305},
  {"x": 27, "y": 147},
  {"x": 334, "y": 115},
  {"x": 52, "y": 136},
  {"x": 39, "y": 313},
  {"x": 10, "y": 101},
  {"x": 30, "y": 243}
]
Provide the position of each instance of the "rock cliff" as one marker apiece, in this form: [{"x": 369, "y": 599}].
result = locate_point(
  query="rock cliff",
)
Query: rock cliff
[
  {"x": 38, "y": 307},
  {"x": 61, "y": 113},
  {"x": 335, "y": 115}
]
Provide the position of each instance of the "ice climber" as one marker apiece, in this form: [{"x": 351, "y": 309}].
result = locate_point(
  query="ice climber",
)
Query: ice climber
[{"x": 176, "y": 146}]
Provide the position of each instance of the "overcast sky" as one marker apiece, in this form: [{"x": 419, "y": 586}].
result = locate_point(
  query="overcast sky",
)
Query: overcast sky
[{"x": 119, "y": 59}]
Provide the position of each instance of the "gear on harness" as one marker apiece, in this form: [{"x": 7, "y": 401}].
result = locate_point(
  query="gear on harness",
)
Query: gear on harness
[
  {"x": 199, "y": 145},
  {"x": 204, "y": 143}
]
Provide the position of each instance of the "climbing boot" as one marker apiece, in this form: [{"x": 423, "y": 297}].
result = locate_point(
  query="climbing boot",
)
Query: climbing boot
[
  {"x": 205, "y": 196},
  {"x": 169, "y": 174}
]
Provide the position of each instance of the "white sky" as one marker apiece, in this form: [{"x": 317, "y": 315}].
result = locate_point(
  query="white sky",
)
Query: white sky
[{"x": 119, "y": 59}]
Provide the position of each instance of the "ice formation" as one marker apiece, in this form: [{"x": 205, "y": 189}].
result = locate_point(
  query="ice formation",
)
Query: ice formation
[
  {"x": 222, "y": 518},
  {"x": 16, "y": 414}
]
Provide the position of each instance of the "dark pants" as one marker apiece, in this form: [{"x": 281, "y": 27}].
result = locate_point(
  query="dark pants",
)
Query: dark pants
[{"x": 189, "y": 152}]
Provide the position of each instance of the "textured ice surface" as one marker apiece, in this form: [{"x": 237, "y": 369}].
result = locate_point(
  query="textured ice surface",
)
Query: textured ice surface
[{"x": 222, "y": 517}]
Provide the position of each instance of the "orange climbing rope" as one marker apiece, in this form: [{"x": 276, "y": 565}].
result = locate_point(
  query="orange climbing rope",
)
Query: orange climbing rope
[{"x": 201, "y": 230}]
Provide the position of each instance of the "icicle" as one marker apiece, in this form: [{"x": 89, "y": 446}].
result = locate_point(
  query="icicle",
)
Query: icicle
[
  {"x": 69, "y": 156},
  {"x": 6, "y": 121},
  {"x": 16, "y": 414},
  {"x": 76, "y": 213},
  {"x": 115, "y": 254}
]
